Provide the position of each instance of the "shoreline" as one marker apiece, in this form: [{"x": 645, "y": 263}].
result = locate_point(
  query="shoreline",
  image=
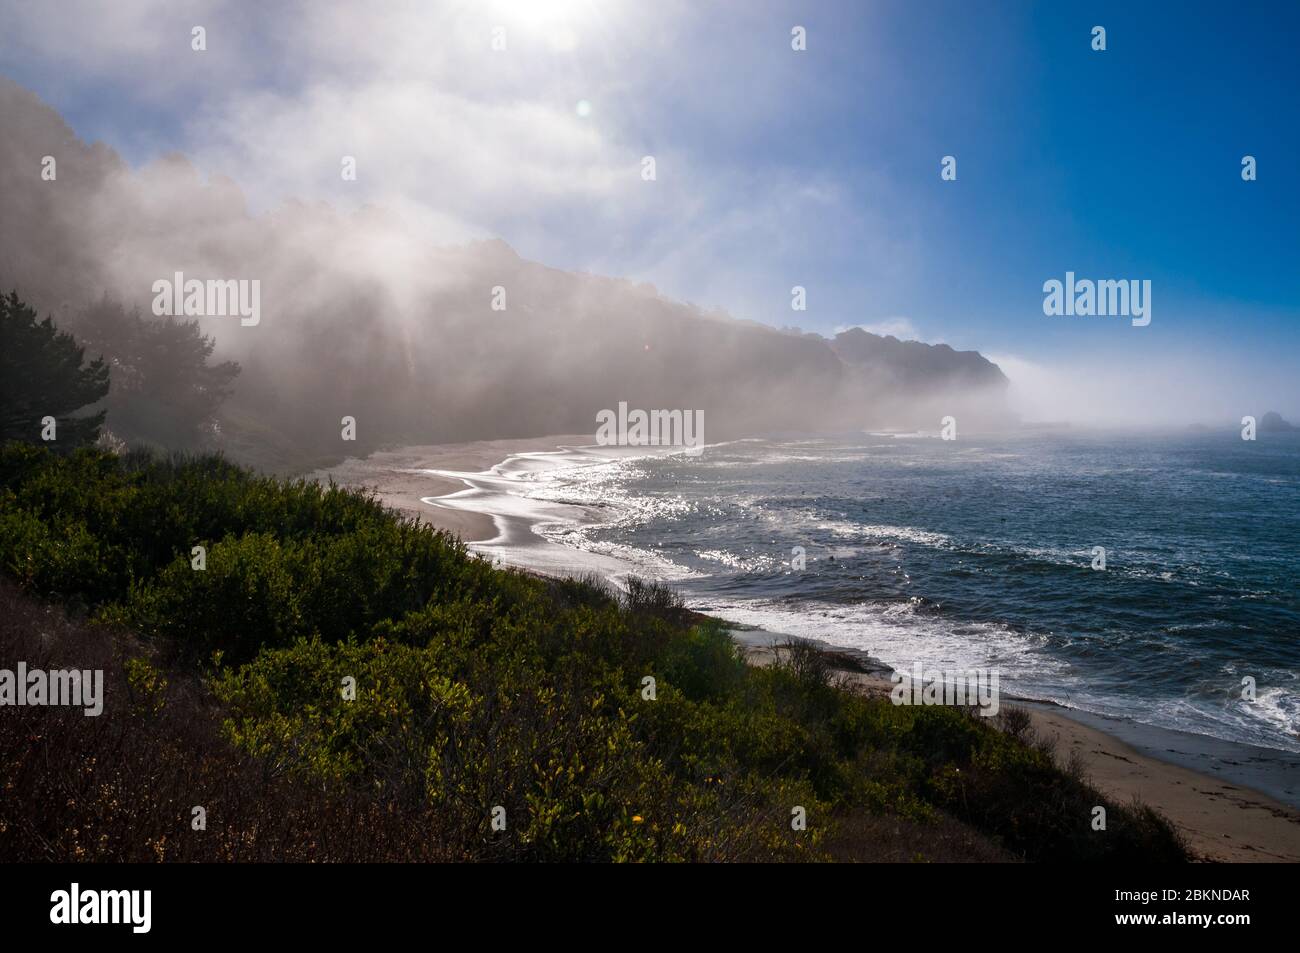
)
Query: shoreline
[
  {"x": 1224, "y": 796},
  {"x": 411, "y": 486},
  {"x": 1222, "y": 822}
]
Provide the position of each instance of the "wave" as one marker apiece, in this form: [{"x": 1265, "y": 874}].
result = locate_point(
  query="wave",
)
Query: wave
[
  {"x": 622, "y": 511},
  {"x": 903, "y": 634}
]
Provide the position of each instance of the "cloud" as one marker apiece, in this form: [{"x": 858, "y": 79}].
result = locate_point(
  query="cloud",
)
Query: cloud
[{"x": 464, "y": 141}]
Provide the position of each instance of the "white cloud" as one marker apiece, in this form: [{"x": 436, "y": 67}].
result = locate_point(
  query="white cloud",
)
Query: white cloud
[{"x": 466, "y": 142}]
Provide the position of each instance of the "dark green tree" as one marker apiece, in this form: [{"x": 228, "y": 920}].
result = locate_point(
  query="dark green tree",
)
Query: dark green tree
[{"x": 41, "y": 375}]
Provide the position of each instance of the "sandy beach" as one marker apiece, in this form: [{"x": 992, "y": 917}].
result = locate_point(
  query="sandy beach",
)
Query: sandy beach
[
  {"x": 403, "y": 479},
  {"x": 1223, "y": 821}
]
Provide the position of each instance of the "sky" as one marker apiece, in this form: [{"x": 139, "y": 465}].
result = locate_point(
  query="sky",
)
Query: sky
[{"x": 774, "y": 167}]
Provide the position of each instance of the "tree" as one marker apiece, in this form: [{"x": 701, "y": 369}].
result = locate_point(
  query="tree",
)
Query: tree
[
  {"x": 41, "y": 375},
  {"x": 164, "y": 390}
]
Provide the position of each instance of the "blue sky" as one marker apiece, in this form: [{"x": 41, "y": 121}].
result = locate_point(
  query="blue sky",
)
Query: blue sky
[{"x": 775, "y": 168}]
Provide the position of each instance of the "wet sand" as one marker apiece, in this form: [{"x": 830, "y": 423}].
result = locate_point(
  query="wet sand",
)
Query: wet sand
[{"x": 402, "y": 479}]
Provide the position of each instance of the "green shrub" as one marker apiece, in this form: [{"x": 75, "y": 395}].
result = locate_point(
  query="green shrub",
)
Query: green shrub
[{"x": 478, "y": 688}]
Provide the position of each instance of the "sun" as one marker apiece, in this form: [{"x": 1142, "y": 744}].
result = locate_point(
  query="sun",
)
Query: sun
[{"x": 538, "y": 13}]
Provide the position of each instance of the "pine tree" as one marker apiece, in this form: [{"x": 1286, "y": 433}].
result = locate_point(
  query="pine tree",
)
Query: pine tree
[{"x": 41, "y": 375}]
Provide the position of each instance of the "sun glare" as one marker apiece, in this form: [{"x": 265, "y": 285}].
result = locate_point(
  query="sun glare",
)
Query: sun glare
[{"x": 539, "y": 13}]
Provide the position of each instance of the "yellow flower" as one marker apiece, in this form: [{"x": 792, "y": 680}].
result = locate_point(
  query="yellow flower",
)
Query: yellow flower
[{"x": 636, "y": 818}]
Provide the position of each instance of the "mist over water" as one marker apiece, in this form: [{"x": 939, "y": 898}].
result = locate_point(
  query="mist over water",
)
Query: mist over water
[{"x": 1147, "y": 385}]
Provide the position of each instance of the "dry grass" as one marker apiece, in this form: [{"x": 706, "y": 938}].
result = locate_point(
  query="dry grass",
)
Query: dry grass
[{"x": 122, "y": 786}]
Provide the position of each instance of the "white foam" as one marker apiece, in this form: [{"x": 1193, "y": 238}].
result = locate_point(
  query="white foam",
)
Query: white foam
[
  {"x": 543, "y": 504},
  {"x": 900, "y": 634}
]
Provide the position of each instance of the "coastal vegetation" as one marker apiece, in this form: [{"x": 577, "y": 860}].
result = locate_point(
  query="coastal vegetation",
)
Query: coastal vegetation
[{"x": 330, "y": 681}]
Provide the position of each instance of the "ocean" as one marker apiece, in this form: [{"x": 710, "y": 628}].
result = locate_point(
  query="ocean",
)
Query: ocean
[{"x": 973, "y": 553}]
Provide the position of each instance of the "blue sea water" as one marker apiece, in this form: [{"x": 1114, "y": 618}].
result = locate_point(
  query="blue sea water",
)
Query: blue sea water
[{"x": 979, "y": 553}]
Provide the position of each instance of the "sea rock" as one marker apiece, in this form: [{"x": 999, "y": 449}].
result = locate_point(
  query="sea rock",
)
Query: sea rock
[{"x": 1272, "y": 422}]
